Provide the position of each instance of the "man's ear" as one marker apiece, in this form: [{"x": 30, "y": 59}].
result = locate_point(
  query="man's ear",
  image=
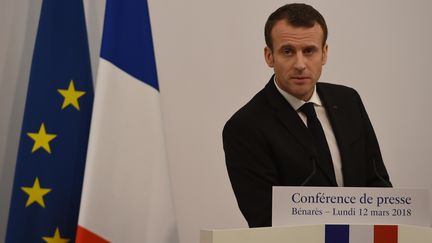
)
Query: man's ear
[
  {"x": 268, "y": 55},
  {"x": 325, "y": 51}
]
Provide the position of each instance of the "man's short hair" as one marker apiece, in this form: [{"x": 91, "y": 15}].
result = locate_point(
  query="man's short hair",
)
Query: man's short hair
[{"x": 297, "y": 15}]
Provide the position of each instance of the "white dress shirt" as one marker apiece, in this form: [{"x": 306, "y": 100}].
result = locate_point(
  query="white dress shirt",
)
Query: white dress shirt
[{"x": 325, "y": 123}]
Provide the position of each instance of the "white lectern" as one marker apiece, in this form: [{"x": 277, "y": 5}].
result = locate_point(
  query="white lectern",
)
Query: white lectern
[
  {"x": 356, "y": 215},
  {"x": 307, "y": 234}
]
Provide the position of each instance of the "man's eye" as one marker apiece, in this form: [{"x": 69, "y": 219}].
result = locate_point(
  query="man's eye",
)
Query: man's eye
[
  {"x": 309, "y": 51},
  {"x": 287, "y": 51}
]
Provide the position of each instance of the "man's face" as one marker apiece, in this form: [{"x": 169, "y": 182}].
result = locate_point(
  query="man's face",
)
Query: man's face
[{"x": 297, "y": 58}]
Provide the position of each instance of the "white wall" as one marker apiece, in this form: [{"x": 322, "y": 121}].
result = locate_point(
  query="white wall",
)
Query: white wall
[{"x": 210, "y": 62}]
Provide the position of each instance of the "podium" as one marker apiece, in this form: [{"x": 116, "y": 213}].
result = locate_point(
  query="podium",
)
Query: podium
[
  {"x": 311, "y": 234},
  {"x": 339, "y": 215}
]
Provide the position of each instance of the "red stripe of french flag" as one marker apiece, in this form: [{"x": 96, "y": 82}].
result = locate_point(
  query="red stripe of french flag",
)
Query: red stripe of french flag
[
  {"x": 385, "y": 234},
  {"x": 84, "y": 235}
]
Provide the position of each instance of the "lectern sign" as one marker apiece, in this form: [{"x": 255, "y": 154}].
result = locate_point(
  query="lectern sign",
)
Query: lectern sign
[{"x": 348, "y": 205}]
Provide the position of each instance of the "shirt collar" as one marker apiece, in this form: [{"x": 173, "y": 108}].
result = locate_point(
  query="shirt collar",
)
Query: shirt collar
[{"x": 294, "y": 101}]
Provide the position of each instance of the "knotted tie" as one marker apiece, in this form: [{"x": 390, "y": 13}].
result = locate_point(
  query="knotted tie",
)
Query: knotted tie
[{"x": 314, "y": 126}]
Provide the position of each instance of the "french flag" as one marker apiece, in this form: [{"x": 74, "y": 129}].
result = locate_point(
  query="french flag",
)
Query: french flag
[
  {"x": 361, "y": 234},
  {"x": 126, "y": 192}
]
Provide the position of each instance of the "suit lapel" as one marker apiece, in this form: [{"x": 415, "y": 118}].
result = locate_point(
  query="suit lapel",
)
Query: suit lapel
[
  {"x": 286, "y": 114},
  {"x": 297, "y": 128},
  {"x": 289, "y": 117},
  {"x": 338, "y": 113}
]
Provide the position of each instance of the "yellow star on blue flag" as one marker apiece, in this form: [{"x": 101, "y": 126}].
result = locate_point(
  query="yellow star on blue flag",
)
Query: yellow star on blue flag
[
  {"x": 56, "y": 238},
  {"x": 35, "y": 193},
  {"x": 41, "y": 139},
  {"x": 71, "y": 96}
]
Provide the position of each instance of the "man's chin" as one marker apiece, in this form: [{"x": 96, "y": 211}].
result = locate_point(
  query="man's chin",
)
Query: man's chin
[{"x": 303, "y": 94}]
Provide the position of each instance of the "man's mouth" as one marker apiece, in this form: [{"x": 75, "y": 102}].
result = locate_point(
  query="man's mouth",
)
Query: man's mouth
[{"x": 300, "y": 77}]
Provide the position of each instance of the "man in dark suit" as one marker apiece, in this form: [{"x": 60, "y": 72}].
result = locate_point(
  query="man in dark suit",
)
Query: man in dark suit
[{"x": 295, "y": 131}]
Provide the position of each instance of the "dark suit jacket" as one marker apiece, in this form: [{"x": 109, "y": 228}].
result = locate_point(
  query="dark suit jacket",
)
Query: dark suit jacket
[{"x": 267, "y": 144}]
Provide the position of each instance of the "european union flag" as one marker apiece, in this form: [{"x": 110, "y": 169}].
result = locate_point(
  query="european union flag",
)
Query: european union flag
[{"x": 53, "y": 144}]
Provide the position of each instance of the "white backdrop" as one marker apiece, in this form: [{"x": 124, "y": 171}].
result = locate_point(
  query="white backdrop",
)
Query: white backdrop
[{"x": 210, "y": 62}]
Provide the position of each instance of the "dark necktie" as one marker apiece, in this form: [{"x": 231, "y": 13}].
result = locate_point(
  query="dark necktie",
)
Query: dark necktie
[{"x": 314, "y": 126}]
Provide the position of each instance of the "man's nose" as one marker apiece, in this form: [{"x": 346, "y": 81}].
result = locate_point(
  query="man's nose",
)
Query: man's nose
[{"x": 300, "y": 62}]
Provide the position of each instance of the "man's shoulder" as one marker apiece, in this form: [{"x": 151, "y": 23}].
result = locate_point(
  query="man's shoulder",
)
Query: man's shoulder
[
  {"x": 336, "y": 90},
  {"x": 334, "y": 87}
]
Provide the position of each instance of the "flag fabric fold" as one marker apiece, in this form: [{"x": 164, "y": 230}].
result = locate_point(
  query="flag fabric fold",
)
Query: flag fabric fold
[
  {"x": 53, "y": 143},
  {"x": 126, "y": 193}
]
